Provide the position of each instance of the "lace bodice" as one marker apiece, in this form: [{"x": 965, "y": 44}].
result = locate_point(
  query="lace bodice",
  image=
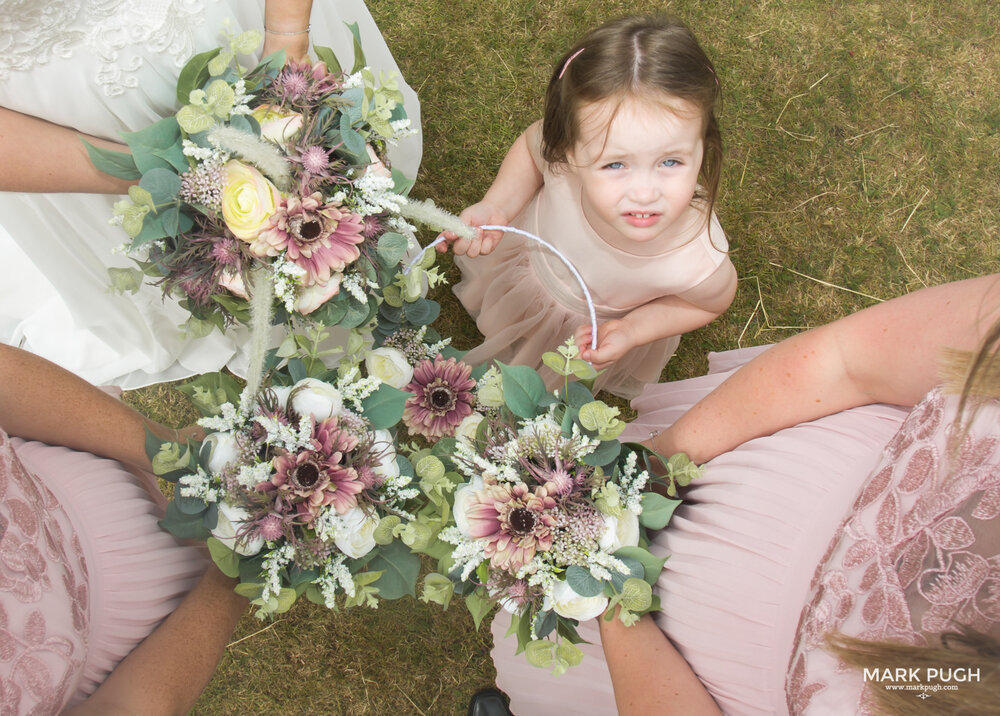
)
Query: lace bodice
[
  {"x": 919, "y": 554},
  {"x": 117, "y": 34}
]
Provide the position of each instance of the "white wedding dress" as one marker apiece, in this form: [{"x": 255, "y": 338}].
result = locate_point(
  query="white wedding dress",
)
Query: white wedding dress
[{"x": 104, "y": 66}]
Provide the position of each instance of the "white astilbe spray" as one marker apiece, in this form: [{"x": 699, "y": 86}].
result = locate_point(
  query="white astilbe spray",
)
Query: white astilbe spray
[
  {"x": 631, "y": 481},
  {"x": 335, "y": 574},
  {"x": 430, "y": 215},
  {"x": 468, "y": 554},
  {"x": 262, "y": 154},
  {"x": 273, "y": 563},
  {"x": 228, "y": 420},
  {"x": 199, "y": 485}
]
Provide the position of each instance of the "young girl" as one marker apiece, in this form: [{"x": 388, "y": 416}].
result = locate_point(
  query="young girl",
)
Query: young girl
[{"x": 610, "y": 176}]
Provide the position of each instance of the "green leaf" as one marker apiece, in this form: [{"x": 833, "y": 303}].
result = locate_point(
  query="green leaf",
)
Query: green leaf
[
  {"x": 656, "y": 510},
  {"x": 401, "y": 184},
  {"x": 545, "y": 622},
  {"x": 189, "y": 505},
  {"x": 606, "y": 453},
  {"x": 194, "y": 75},
  {"x": 421, "y": 312},
  {"x": 250, "y": 590},
  {"x": 159, "y": 136},
  {"x": 391, "y": 248},
  {"x": 636, "y": 595},
  {"x": 209, "y": 391},
  {"x": 174, "y": 155},
  {"x": 651, "y": 564},
  {"x": 479, "y": 607},
  {"x": 354, "y": 143},
  {"x": 328, "y": 58},
  {"x": 438, "y": 589},
  {"x": 399, "y": 567},
  {"x": 359, "y": 54},
  {"x": 125, "y": 280},
  {"x": 184, "y": 526},
  {"x": 384, "y": 407},
  {"x": 540, "y": 653},
  {"x": 569, "y": 654},
  {"x": 522, "y": 389},
  {"x": 582, "y": 581},
  {"x": 682, "y": 469},
  {"x": 555, "y": 362},
  {"x": 225, "y": 559},
  {"x": 358, "y": 314},
  {"x": 635, "y": 569},
  {"x": 117, "y": 164},
  {"x": 286, "y": 598}
]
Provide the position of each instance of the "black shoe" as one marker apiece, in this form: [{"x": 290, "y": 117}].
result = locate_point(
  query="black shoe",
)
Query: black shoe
[{"x": 488, "y": 702}]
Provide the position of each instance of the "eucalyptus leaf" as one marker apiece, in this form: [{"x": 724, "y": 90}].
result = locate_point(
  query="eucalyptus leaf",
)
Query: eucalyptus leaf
[
  {"x": 399, "y": 567},
  {"x": 545, "y": 622},
  {"x": 189, "y": 505},
  {"x": 250, "y": 590},
  {"x": 391, "y": 248},
  {"x": 540, "y": 653},
  {"x": 635, "y": 569},
  {"x": 358, "y": 314},
  {"x": 225, "y": 559},
  {"x": 606, "y": 453},
  {"x": 286, "y": 598},
  {"x": 384, "y": 407},
  {"x": 181, "y": 525},
  {"x": 160, "y": 136},
  {"x": 651, "y": 564},
  {"x": 479, "y": 607},
  {"x": 401, "y": 184},
  {"x": 522, "y": 389},
  {"x": 421, "y": 312},
  {"x": 582, "y": 581},
  {"x": 117, "y": 164},
  {"x": 656, "y": 510}
]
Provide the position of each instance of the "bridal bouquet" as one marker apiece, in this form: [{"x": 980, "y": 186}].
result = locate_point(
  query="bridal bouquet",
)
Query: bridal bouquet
[
  {"x": 537, "y": 506},
  {"x": 270, "y": 182},
  {"x": 298, "y": 490}
]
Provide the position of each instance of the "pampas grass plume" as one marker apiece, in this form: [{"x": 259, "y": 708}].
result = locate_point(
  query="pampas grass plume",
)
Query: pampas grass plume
[{"x": 434, "y": 217}]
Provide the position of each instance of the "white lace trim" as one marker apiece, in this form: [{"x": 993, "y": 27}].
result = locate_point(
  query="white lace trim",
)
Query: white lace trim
[{"x": 116, "y": 32}]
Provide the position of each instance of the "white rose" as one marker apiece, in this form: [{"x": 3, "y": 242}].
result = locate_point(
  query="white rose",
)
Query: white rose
[
  {"x": 390, "y": 366},
  {"x": 223, "y": 450},
  {"x": 620, "y": 532},
  {"x": 355, "y": 533},
  {"x": 314, "y": 397},
  {"x": 466, "y": 429},
  {"x": 384, "y": 446},
  {"x": 231, "y": 519},
  {"x": 567, "y": 603},
  {"x": 310, "y": 298},
  {"x": 464, "y": 493}
]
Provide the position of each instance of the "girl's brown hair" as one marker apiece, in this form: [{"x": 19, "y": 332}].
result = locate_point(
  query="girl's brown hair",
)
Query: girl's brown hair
[{"x": 654, "y": 58}]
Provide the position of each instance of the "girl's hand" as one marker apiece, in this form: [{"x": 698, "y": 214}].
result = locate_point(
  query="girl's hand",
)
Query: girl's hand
[
  {"x": 484, "y": 241},
  {"x": 614, "y": 339}
]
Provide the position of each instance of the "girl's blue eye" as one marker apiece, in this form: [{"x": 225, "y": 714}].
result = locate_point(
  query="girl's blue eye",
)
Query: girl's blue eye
[
  {"x": 614, "y": 165},
  {"x": 670, "y": 162}
]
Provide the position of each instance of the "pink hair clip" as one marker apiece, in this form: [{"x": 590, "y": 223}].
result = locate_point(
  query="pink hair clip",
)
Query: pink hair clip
[{"x": 571, "y": 58}]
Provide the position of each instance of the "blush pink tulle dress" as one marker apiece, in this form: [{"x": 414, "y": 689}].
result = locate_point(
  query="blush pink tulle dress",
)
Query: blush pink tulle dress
[
  {"x": 526, "y": 302},
  {"x": 85, "y": 572},
  {"x": 858, "y": 522}
]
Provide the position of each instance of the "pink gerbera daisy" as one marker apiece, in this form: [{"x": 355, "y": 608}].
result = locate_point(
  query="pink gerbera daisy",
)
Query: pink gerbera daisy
[
  {"x": 321, "y": 238},
  {"x": 441, "y": 397}
]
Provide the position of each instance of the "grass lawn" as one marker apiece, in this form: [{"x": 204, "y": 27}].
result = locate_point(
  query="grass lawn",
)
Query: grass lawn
[{"x": 862, "y": 145}]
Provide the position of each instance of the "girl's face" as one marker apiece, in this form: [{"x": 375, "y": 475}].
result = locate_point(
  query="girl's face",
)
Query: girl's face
[{"x": 639, "y": 173}]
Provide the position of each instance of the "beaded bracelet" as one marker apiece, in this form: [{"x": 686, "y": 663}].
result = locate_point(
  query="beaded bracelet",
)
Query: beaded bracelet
[{"x": 290, "y": 34}]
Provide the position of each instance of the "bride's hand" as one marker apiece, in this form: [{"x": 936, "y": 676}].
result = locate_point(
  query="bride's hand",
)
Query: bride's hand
[{"x": 296, "y": 47}]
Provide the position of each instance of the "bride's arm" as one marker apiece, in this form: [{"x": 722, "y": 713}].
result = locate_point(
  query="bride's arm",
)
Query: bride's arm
[
  {"x": 284, "y": 23},
  {"x": 39, "y": 156},
  {"x": 885, "y": 354}
]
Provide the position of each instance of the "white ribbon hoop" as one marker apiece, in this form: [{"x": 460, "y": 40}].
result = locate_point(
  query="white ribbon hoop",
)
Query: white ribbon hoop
[{"x": 546, "y": 244}]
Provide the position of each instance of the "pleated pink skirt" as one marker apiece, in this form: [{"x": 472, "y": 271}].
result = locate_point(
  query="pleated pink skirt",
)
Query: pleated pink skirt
[
  {"x": 743, "y": 549},
  {"x": 137, "y": 572}
]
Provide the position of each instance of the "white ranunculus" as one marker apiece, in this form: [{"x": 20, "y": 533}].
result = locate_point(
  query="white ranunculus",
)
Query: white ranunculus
[
  {"x": 231, "y": 519},
  {"x": 463, "y": 495},
  {"x": 384, "y": 446},
  {"x": 281, "y": 392},
  {"x": 390, "y": 366},
  {"x": 224, "y": 450},
  {"x": 355, "y": 533},
  {"x": 314, "y": 397},
  {"x": 567, "y": 603},
  {"x": 466, "y": 429},
  {"x": 620, "y": 532},
  {"x": 542, "y": 428}
]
